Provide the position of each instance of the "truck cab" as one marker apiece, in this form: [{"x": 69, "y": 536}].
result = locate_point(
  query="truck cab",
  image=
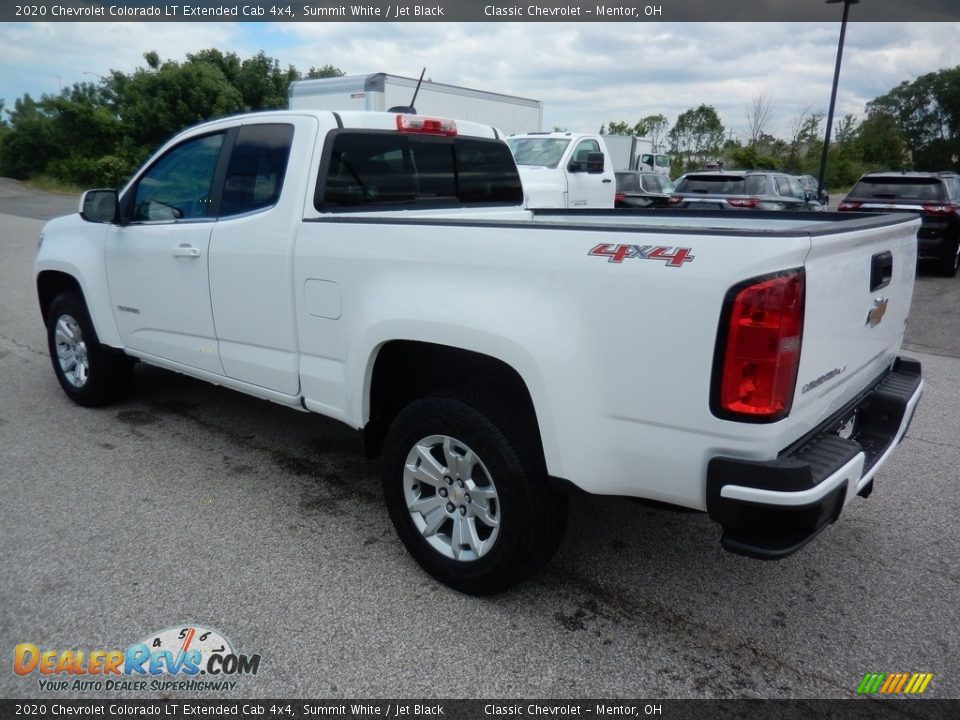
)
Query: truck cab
[
  {"x": 564, "y": 170},
  {"x": 630, "y": 152}
]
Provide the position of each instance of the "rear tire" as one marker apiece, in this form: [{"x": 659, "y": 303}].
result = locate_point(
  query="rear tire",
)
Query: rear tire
[
  {"x": 950, "y": 262},
  {"x": 89, "y": 373},
  {"x": 465, "y": 486}
]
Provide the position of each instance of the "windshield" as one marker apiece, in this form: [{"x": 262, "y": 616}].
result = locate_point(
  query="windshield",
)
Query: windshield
[
  {"x": 899, "y": 188},
  {"x": 543, "y": 152}
]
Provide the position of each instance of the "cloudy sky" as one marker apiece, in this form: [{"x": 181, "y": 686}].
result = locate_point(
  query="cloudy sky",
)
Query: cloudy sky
[{"x": 585, "y": 73}]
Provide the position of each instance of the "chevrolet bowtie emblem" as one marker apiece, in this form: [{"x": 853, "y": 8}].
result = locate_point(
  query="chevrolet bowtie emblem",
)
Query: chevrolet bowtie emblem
[{"x": 877, "y": 312}]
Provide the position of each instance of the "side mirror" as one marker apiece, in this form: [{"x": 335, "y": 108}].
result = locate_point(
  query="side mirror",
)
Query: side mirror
[
  {"x": 595, "y": 162},
  {"x": 586, "y": 161},
  {"x": 100, "y": 206}
]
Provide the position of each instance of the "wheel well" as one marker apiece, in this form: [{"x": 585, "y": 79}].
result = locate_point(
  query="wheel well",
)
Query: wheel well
[
  {"x": 407, "y": 370},
  {"x": 51, "y": 283}
]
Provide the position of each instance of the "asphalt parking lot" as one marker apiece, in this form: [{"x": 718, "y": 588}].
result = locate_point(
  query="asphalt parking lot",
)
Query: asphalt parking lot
[{"x": 188, "y": 503}]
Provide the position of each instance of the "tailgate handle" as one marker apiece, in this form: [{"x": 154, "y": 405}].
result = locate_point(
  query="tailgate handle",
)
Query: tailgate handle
[{"x": 881, "y": 270}]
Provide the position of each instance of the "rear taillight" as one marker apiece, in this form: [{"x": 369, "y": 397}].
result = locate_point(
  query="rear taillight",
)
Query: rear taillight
[
  {"x": 675, "y": 200},
  {"x": 425, "y": 125},
  {"x": 941, "y": 209},
  {"x": 744, "y": 202},
  {"x": 617, "y": 197},
  {"x": 758, "y": 348},
  {"x": 849, "y": 205}
]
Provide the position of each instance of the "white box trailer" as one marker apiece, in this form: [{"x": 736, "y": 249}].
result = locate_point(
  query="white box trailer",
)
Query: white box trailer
[{"x": 380, "y": 91}]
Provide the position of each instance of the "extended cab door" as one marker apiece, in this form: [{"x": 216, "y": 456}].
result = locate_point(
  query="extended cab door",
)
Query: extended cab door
[
  {"x": 157, "y": 262},
  {"x": 251, "y": 251}
]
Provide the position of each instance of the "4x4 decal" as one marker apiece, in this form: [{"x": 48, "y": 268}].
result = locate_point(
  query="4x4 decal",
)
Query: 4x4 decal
[{"x": 673, "y": 256}]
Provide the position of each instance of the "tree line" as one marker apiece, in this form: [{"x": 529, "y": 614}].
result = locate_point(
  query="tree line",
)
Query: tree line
[
  {"x": 98, "y": 133},
  {"x": 914, "y": 126}
]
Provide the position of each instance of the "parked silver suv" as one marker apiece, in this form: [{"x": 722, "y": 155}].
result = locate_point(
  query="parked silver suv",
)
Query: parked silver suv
[{"x": 752, "y": 190}]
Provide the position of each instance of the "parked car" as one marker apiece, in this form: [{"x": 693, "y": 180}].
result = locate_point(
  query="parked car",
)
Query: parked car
[
  {"x": 642, "y": 190},
  {"x": 934, "y": 196},
  {"x": 752, "y": 190},
  {"x": 810, "y": 184}
]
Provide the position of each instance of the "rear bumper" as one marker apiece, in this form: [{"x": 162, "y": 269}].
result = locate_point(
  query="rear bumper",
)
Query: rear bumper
[
  {"x": 937, "y": 247},
  {"x": 937, "y": 238},
  {"x": 772, "y": 509}
]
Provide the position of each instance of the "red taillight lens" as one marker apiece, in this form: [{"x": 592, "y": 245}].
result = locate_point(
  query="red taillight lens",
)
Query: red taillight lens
[
  {"x": 425, "y": 125},
  {"x": 617, "y": 197},
  {"x": 760, "y": 353},
  {"x": 744, "y": 202},
  {"x": 849, "y": 205},
  {"x": 675, "y": 200},
  {"x": 940, "y": 209}
]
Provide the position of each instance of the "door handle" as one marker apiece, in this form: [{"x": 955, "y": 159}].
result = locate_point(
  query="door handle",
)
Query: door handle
[
  {"x": 186, "y": 251},
  {"x": 606, "y": 180},
  {"x": 881, "y": 270}
]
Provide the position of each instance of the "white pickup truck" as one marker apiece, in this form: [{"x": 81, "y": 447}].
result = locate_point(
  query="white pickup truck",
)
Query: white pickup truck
[
  {"x": 564, "y": 170},
  {"x": 381, "y": 269}
]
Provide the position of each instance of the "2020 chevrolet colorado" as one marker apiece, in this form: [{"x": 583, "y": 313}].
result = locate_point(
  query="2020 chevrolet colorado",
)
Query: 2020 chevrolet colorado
[{"x": 382, "y": 270}]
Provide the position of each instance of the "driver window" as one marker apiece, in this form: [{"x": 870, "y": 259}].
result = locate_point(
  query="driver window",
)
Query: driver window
[
  {"x": 584, "y": 147},
  {"x": 178, "y": 185}
]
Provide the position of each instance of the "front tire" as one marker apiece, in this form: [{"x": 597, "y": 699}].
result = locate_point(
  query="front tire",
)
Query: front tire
[
  {"x": 466, "y": 490},
  {"x": 89, "y": 373}
]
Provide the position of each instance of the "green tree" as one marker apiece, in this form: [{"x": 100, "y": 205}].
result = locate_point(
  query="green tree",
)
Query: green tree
[
  {"x": 844, "y": 161},
  {"x": 656, "y": 129},
  {"x": 96, "y": 134},
  {"x": 623, "y": 128},
  {"x": 880, "y": 142},
  {"x": 750, "y": 158},
  {"x": 925, "y": 109},
  {"x": 30, "y": 145},
  {"x": 696, "y": 136},
  {"x": 4, "y": 126},
  {"x": 652, "y": 126}
]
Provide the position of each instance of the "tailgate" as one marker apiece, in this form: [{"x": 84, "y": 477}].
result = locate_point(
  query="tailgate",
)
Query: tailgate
[{"x": 859, "y": 285}]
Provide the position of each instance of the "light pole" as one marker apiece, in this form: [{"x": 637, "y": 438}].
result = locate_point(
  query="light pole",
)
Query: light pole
[{"x": 833, "y": 92}]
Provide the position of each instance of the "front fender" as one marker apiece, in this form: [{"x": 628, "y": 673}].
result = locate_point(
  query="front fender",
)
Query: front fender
[{"x": 75, "y": 248}]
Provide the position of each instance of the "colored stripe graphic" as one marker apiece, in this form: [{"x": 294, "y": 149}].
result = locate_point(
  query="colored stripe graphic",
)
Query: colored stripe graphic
[
  {"x": 894, "y": 683},
  {"x": 870, "y": 683}
]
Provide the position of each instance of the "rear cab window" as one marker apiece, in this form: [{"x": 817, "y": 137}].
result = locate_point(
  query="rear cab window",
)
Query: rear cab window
[
  {"x": 376, "y": 170},
  {"x": 258, "y": 164}
]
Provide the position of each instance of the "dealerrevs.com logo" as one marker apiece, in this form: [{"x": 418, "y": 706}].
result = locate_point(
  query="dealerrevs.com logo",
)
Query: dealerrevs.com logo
[
  {"x": 196, "y": 658},
  {"x": 894, "y": 683}
]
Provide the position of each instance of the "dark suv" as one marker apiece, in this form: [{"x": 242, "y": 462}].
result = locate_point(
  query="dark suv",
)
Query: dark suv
[
  {"x": 933, "y": 196},
  {"x": 752, "y": 190}
]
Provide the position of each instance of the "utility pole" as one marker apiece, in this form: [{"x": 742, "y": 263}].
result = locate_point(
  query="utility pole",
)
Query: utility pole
[{"x": 833, "y": 92}]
